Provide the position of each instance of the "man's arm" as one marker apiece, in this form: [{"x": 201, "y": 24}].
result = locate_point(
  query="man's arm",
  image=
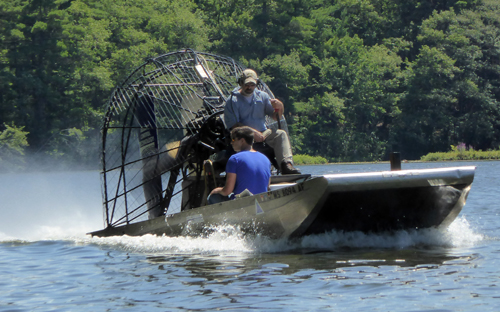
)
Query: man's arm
[
  {"x": 230, "y": 117},
  {"x": 228, "y": 188},
  {"x": 257, "y": 135}
]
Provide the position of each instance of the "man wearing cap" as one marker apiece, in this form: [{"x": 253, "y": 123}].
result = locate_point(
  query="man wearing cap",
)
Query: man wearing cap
[{"x": 248, "y": 106}]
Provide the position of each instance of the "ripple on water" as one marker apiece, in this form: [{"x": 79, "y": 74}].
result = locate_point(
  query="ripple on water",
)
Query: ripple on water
[{"x": 454, "y": 269}]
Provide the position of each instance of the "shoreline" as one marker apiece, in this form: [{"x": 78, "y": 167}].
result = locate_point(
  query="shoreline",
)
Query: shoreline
[{"x": 402, "y": 162}]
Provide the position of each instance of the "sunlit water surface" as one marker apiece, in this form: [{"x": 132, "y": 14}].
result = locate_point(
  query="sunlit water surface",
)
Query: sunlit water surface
[{"x": 48, "y": 263}]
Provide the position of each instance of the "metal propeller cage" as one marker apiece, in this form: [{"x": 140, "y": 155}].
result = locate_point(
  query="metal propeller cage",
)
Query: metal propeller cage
[{"x": 160, "y": 123}]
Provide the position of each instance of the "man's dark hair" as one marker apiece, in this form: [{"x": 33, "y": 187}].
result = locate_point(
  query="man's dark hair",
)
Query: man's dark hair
[{"x": 243, "y": 133}]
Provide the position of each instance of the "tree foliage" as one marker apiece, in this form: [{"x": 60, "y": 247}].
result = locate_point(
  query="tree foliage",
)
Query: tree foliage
[
  {"x": 359, "y": 78},
  {"x": 12, "y": 144}
]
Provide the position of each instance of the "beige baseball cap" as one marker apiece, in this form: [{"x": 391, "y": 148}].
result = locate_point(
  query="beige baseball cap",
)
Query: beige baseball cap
[{"x": 249, "y": 75}]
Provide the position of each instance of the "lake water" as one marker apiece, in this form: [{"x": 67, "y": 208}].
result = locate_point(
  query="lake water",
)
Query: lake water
[{"x": 48, "y": 263}]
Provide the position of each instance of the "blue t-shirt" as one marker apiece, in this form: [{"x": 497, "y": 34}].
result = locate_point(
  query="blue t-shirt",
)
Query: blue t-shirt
[
  {"x": 252, "y": 114},
  {"x": 253, "y": 170}
]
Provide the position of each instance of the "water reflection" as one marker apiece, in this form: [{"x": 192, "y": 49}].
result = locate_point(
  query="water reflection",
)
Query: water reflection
[
  {"x": 227, "y": 256},
  {"x": 224, "y": 268}
]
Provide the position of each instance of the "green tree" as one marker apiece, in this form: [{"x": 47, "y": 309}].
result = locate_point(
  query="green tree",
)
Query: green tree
[
  {"x": 289, "y": 78},
  {"x": 61, "y": 59},
  {"x": 425, "y": 122},
  {"x": 319, "y": 127},
  {"x": 13, "y": 142},
  {"x": 30, "y": 67},
  {"x": 453, "y": 90},
  {"x": 415, "y": 76}
]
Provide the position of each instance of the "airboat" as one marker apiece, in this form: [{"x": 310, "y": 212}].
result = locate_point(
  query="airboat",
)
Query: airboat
[{"x": 165, "y": 146}]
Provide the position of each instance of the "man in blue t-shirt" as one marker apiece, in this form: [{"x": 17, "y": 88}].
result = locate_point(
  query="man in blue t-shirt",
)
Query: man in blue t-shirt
[{"x": 247, "y": 169}]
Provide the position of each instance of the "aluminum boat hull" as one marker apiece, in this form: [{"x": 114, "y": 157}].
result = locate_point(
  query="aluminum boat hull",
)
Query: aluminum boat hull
[{"x": 369, "y": 202}]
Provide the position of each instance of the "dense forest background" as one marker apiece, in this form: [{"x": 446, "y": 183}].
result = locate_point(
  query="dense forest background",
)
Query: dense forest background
[{"x": 359, "y": 78}]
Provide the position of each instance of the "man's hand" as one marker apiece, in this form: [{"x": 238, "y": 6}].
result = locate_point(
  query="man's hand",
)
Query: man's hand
[
  {"x": 278, "y": 105},
  {"x": 228, "y": 188},
  {"x": 279, "y": 109},
  {"x": 216, "y": 190},
  {"x": 257, "y": 136}
]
